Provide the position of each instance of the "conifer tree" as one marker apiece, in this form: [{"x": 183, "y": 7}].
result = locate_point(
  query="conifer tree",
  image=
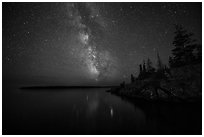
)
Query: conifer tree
[
  {"x": 184, "y": 47},
  {"x": 144, "y": 67},
  {"x": 159, "y": 62},
  {"x": 150, "y": 68},
  {"x": 141, "y": 71},
  {"x": 132, "y": 78}
]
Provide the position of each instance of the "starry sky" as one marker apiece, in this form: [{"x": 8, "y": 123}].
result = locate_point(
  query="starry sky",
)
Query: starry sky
[{"x": 89, "y": 43}]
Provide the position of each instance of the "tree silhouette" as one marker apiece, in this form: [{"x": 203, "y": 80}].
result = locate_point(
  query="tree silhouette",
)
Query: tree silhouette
[
  {"x": 171, "y": 61},
  {"x": 144, "y": 70},
  {"x": 184, "y": 47},
  {"x": 132, "y": 78},
  {"x": 159, "y": 62},
  {"x": 141, "y": 72},
  {"x": 144, "y": 67},
  {"x": 198, "y": 48},
  {"x": 150, "y": 68}
]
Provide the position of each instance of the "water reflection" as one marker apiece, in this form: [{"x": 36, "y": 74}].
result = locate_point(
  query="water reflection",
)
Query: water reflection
[
  {"x": 92, "y": 104},
  {"x": 91, "y": 111},
  {"x": 111, "y": 111}
]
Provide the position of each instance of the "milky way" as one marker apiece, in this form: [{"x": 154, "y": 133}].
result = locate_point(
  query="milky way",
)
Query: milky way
[
  {"x": 99, "y": 63},
  {"x": 90, "y": 43}
]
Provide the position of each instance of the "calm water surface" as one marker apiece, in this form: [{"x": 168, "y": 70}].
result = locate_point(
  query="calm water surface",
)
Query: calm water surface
[{"x": 93, "y": 111}]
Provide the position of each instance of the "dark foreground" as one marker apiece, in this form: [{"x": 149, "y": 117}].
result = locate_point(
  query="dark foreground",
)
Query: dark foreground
[{"x": 94, "y": 111}]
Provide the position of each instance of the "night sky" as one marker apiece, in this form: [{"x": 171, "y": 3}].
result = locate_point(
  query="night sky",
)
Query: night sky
[{"x": 89, "y": 43}]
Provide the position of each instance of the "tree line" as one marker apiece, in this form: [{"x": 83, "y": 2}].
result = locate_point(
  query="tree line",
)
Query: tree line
[{"x": 185, "y": 52}]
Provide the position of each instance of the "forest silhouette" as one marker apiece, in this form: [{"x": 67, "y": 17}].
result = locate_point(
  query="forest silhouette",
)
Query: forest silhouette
[{"x": 180, "y": 80}]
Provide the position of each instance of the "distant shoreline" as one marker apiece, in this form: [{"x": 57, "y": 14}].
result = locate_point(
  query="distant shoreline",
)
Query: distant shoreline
[{"x": 63, "y": 87}]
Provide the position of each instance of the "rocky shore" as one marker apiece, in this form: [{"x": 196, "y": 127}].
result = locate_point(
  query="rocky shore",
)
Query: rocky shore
[{"x": 182, "y": 84}]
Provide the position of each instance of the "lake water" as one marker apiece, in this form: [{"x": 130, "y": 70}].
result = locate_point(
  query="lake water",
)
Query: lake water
[{"x": 93, "y": 111}]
